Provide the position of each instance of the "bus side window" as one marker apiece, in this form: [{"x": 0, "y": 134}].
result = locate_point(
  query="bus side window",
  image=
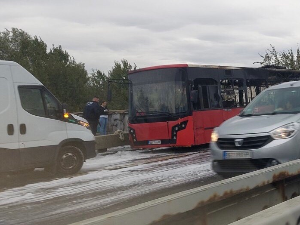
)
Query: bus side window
[
  {"x": 208, "y": 91},
  {"x": 200, "y": 97},
  {"x": 205, "y": 97},
  {"x": 227, "y": 94},
  {"x": 233, "y": 94},
  {"x": 254, "y": 87},
  {"x": 214, "y": 97}
]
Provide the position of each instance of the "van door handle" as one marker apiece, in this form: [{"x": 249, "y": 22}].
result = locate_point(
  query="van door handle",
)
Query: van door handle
[
  {"x": 22, "y": 128},
  {"x": 10, "y": 129}
]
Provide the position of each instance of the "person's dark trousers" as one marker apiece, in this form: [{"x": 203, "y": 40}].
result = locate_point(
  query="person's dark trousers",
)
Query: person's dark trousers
[{"x": 93, "y": 125}]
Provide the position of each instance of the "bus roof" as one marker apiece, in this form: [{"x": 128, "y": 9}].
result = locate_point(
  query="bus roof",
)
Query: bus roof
[
  {"x": 206, "y": 66},
  {"x": 182, "y": 66},
  {"x": 159, "y": 67}
]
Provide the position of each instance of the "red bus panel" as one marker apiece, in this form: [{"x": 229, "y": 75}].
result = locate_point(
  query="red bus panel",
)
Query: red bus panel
[
  {"x": 204, "y": 123},
  {"x": 162, "y": 134},
  {"x": 185, "y": 137},
  {"x": 151, "y": 131}
]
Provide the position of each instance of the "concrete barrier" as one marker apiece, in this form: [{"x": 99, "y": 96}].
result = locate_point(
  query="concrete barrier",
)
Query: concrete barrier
[
  {"x": 112, "y": 140},
  {"x": 117, "y": 120}
]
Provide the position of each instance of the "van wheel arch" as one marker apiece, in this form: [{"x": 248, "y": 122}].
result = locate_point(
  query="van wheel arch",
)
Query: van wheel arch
[
  {"x": 76, "y": 151},
  {"x": 77, "y": 144},
  {"x": 69, "y": 160}
]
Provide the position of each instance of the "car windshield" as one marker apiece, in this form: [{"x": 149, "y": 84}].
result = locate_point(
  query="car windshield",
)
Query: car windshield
[{"x": 277, "y": 101}]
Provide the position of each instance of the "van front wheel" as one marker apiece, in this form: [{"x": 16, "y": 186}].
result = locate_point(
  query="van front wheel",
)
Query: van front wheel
[{"x": 69, "y": 160}]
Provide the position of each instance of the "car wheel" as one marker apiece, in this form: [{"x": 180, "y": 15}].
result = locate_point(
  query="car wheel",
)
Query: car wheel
[{"x": 69, "y": 160}]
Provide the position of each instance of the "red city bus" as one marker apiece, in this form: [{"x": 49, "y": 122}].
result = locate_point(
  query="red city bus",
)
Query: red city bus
[{"x": 179, "y": 105}]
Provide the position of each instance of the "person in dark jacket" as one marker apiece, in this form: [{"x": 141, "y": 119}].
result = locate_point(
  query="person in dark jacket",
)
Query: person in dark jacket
[
  {"x": 92, "y": 113},
  {"x": 103, "y": 117}
]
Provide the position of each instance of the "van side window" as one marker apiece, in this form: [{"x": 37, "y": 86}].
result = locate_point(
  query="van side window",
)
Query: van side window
[
  {"x": 32, "y": 101},
  {"x": 52, "y": 105},
  {"x": 39, "y": 102}
]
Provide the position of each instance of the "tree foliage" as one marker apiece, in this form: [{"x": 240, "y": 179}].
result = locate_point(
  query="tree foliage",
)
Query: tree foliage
[
  {"x": 97, "y": 85},
  {"x": 56, "y": 69},
  {"x": 119, "y": 72},
  {"x": 60, "y": 73},
  {"x": 287, "y": 59}
]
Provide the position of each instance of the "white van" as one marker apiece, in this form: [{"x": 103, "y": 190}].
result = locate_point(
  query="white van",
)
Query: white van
[{"x": 34, "y": 130}]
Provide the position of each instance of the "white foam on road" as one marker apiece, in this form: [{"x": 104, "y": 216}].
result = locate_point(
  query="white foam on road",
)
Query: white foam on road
[{"x": 104, "y": 187}]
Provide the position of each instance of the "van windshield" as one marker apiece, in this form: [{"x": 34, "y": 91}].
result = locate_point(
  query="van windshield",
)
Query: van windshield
[{"x": 277, "y": 101}]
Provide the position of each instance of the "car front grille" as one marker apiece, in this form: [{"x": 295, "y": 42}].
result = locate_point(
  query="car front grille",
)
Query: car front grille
[
  {"x": 242, "y": 164},
  {"x": 248, "y": 143}
]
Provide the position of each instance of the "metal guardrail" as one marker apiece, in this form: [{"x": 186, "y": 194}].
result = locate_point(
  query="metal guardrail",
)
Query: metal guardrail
[
  {"x": 219, "y": 203},
  {"x": 286, "y": 213}
]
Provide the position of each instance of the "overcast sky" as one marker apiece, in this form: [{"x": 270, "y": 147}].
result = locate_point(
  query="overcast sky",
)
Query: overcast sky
[{"x": 155, "y": 32}]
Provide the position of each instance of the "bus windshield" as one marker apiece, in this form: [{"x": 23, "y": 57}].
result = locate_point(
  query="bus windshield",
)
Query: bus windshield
[
  {"x": 274, "y": 101},
  {"x": 160, "y": 93}
]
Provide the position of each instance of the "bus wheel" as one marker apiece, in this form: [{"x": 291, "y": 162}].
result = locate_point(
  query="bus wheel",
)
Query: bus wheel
[{"x": 69, "y": 160}]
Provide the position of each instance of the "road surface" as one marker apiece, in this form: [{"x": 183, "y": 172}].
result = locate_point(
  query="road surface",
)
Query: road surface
[{"x": 113, "y": 180}]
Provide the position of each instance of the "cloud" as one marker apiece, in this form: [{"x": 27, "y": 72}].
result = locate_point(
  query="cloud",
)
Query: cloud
[{"x": 158, "y": 32}]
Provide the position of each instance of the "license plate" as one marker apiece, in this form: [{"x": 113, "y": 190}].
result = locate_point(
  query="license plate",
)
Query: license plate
[
  {"x": 237, "y": 155},
  {"x": 155, "y": 142}
]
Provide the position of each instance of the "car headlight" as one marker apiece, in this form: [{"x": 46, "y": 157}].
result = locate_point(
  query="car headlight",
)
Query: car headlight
[
  {"x": 286, "y": 131},
  {"x": 214, "y": 136},
  {"x": 84, "y": 124}
]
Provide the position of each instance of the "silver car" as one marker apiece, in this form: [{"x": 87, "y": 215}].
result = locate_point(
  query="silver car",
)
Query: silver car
[{"x": 265, "y": 133}]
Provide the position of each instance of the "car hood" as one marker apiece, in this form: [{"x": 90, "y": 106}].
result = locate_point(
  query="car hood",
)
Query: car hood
[
  {"x": 79, "y": 117},
  {"x": 256, "y": 124}
]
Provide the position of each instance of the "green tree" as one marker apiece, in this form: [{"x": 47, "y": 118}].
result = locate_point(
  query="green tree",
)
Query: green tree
[
  {"x": 56, "y": 69},
  {"x": 287, "y": 59},
  {"x": 120, "y": 91},
  {"x": 67, "y": 79},
  {"x": 61, "y": 74},
  {"x": 97, "y": 85},
  {"x": 30, "y": 52}
]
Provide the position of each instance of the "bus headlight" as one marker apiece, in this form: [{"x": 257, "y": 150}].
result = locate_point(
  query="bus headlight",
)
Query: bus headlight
[
  {"x": 214, "y": 136},
  {"x": 286, "y": 131}
]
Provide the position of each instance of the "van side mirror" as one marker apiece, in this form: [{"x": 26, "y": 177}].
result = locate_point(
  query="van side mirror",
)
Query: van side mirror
[
  {"x": 64, "y": 108},
  {"x": 194, "y": 96}
]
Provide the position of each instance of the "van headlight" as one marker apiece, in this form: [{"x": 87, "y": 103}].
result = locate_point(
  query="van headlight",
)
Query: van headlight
[
  {"x": 214, "y": 136},
  {"x": 84, "y": 124},
  {"x": 286, "y": 131}
]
